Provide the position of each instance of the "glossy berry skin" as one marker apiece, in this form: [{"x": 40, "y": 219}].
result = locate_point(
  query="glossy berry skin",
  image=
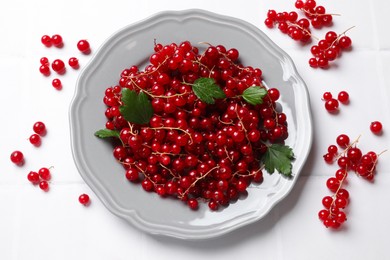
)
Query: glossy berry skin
[
  {"x": 193, "y": 204},
  {"x": 44, "y": 61},
  {"x": 343, "y": 97},
  {"x": 35, "y": 140},
  {"x": 44, "y": 173},
  {"x": 58, "y": 66},
  {"x": 17, "y": 157},
  {"x": 57, "y": 84},
  {"x": 39, "y": 128},
  {"x": 343, "y": 140},
  {"x": 332, "y": 105},
  {"x": 46, "y": 40},
  {"x": 376, "y": 127},
  {"x": 33, "y": 177},
  {"x": 45, "y": 70},
  {"x": 83, "y": 46},
  {"x": 44, "y": 185},
  {"x": 84, "y": 199},
  {"x": 73, "y": 62},
  {"x": 56, "y": 39}
]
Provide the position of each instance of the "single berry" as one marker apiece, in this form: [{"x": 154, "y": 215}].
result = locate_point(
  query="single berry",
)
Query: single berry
[
  {"x": 46, "y": 40},
  {"x": 345, "y": 42},
  {"x": 33, "y": 177},
  {"x": 56, "y": 39},
  {"x": 376, "y": 127},
  {"x": 45, "y": 70},
  {"x": 56, "y": 83},
  {"x": 39, "y": 128},
  {"x": 327, "y": 96},
  {"x": 332, "y": 105},
  {"x": 44, "y": 185},
  {"x": 35, "y": 140},
  {"x": 44, "y": 173},
  {"x": 58, "y": 66},
  {"x": 84, "y": 199},
  {"x": 83, "y": 46},
  {"x": 342, "y": 140},
  {"x": 73, "y": 62},
  {"x": 193, "y": 203},
  {"x": 343, "y": 97},
  {"x": 44, "y": 61},
  {"x": 17, "y": 157}
]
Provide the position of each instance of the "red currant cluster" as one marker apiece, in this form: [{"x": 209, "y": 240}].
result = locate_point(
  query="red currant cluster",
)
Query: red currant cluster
[
  {"x": 317, "y": 14},
  {"x": 332, "y": 104},
  {"x": 329, "y": 49},
  {"x": 350, "y": 159},
  {"x": 193, "y": 150},
  {"x": 58, "y": 65},
  {"x": 325, "y": 50},
  {"x": 41, "y": 177},
  {"x": 288, "y": 23}
]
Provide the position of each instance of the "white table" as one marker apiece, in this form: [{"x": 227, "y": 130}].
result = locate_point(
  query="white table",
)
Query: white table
[{"x": 53, "y": 225}]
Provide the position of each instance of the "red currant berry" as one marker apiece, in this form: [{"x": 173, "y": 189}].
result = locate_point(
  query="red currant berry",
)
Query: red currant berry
[
  {"x": 17, "y": 157},
  {"x": 323, "y": 214},
  {"x": 56, "y": 83},
  {"x": 332, "y": 149},
  {"x": 83, "y": 46},
  {"x": 313, "y": 62},
  {"x": 193, "y": 203},
  {"x": 44, "y": 173},
  {"x": 343, "y": 97},
  {"x": 332, "y": 105},
  {"x": 84, "y": 199},
  {"x": 39, "y": 128},
  {"x": 56, "y": 39},
  {"x": 327, "y": 96},
  {"x": 46, "y": 40},
  {"x": 274, "y": 94},
  {"x": 328, "y": 157},
  {"x": 213, "y": 205},
  {"x": 342, "y": 140},
  {"x": 376, "y": 127},
  {"x": 333, "y": 184},
  {"x": 45, "y": 70},
  {"x": 44, "y": 185},
  {"x": 73, "y": 62},
  {"x": 33, "y": 177},
  {"x": 58, "y": 66},
  {"x": 35, "y": 140},
  {"x": 44, "y": 61},
  {"x": 345, "y": 42}
]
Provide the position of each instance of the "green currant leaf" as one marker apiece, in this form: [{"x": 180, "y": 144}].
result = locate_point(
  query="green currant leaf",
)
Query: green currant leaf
[
  {"x": 105, "y": 133},
  {"x": 254, "y": 95},
  {"x": 206, "y": 89},
  {"x": 136, "y": 107},
  {"x": 278, "y": 157}
]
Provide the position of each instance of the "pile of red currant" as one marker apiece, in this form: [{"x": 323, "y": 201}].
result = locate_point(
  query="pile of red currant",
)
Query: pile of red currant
[
  {"x": 189, "y": 149},
  {"x": 58, "y": 65},
  {"x": 327, "y": 49},
  {"x": 351, "y": 158}
]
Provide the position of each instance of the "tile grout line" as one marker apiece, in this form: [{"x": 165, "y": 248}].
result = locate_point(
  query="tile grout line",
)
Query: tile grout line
[{"x": 374, "y": 26}]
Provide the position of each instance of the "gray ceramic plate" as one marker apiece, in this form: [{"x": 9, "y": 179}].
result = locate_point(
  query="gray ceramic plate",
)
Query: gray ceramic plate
[{"x": 132, "y": 45}]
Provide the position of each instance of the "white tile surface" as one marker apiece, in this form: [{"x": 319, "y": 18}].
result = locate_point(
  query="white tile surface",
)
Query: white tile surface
[{"x": 53, "y": 225}]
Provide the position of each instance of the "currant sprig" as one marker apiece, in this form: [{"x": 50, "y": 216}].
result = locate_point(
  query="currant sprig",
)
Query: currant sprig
[
  {"x": 329, "y": 48},
  {"x": 350, "y": 158},
  {"x": 316, "y": 13}
]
